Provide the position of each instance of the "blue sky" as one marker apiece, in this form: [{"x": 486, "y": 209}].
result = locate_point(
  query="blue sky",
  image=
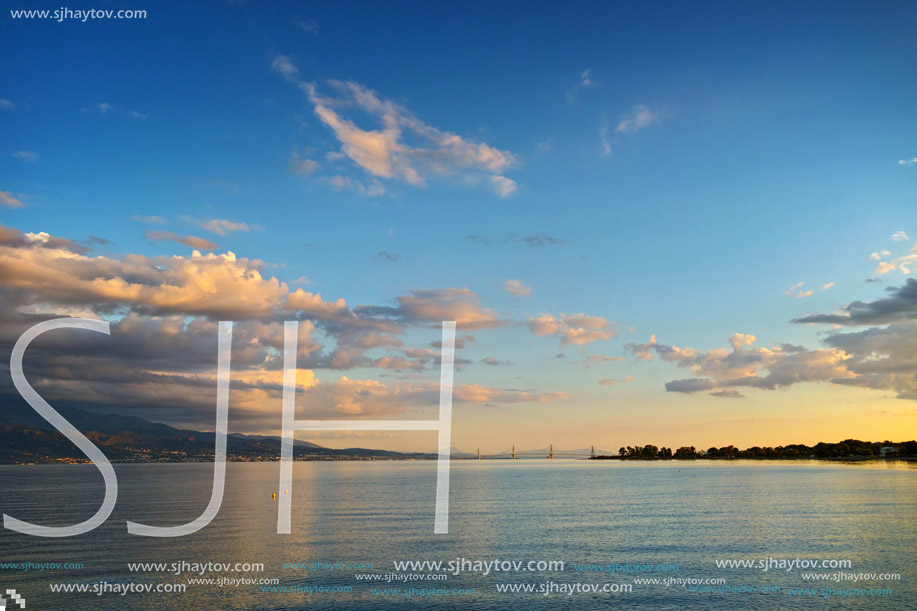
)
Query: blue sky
[{"x": 678, "y": 168}]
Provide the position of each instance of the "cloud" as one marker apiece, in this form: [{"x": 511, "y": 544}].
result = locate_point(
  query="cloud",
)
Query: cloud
[
  {"x": 163, "y": 368},
  {"x": 45, "y": 269},
  {"x": 369, "y": 397},
  {"x": 503, "y": 186},
  {"x": 517, "y": 288},
  {"x": 103, "y": 108},
  {"x": 223, "y": 226},
  {"x": 6, "y": 104},
  {"x": 603, "y": 139},
  {"x": 373, "y": 189},
  {"x": 586, "y": 81},
  {"x": 727, "y": 392},
  {"x": 900, "y": 306},
  {"x": 159, "y": 361},
  {"x": 150, "y": 220},
  {"x": 877, "y": 358},
  {"x": 614, "y": 382},
  {"x": 744, "y": 365},
  {"x": 902, "y": 263},
  {"x": 796, "y": 292},
  {"x": 188, "y": 240},
  {"x": 312, "y": 27},
  {"x": 912, "y": 161},
  {"x": 638, "y": 118},
  {"x": 27, "y": 156},
  {"x": 285, "y": 67},
  {"x": 402, "y": 147},
  {"x": 436, "y": 305},
  {"x": 15, "y": 239},
  {"x": 301, "y": 165},
  {"x": 592, "y": 359},
  {"x": 531, "y": 241},
  {"x": 8, "y": 200},
  {"x": 574, "y": 329}
]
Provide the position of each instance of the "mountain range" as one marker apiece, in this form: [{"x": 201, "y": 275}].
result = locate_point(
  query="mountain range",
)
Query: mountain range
[{"x": 25, "y": 437}]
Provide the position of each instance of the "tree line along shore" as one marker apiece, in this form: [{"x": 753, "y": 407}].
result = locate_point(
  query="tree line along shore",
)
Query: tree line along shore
[{"x": 849, "y": 449}]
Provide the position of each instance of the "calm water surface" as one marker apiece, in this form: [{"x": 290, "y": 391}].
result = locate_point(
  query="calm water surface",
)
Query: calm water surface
[{"x": 684, "y": 513}]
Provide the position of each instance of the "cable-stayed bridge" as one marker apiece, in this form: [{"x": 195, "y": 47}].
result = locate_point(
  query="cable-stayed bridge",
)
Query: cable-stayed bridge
[{"x": 548, "y": 453}]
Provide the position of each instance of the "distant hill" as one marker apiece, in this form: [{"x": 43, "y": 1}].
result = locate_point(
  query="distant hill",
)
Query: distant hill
[{"x": 27, "y": 437}]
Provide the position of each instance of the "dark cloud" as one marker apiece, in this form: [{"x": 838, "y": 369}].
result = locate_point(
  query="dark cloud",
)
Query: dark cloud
[
  {"x": 436, "y": 305},
  {"x": 528, "y": 241},
  {"x": 188, "y": 240},
  {"x": 690, "y": 385},
  {"x": 159, "y": 360},
  {"x": 901, "y": 305}
]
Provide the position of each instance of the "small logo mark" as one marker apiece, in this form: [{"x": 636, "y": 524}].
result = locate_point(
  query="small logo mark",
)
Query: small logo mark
[{"x": 15, "y": 597}]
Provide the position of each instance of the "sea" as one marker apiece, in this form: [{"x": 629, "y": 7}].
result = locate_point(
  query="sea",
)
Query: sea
[{"x": 523, "y": 535}]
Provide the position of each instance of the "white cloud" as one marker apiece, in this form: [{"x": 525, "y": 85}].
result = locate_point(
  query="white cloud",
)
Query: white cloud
[
  {"x": 638, "y": 118},
  {"x": 794, "y": 291},
  {"x": 284, "y": 66},
  {"x": 402, "y": 147},
  {"x": 825, "y": 287},
  {"x": 27, "y": 156},
  {"x": 516, "y": 287},
  {"x": 6, "y": 104},
  {"x": 902, "y": 263},
  {"x": 585, "y": 82},
  {"x": 104, "y": 108},
  {"x": 223, "y": 226},
  {"x": 603, "y": 139},
  {"x": 912, "y": 161},
  {"x": 503, "y": 186}
]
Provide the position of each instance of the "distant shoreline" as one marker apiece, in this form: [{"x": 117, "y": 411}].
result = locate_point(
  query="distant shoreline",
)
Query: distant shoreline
[
  {"x": 432, "y": 458},
  {"x": 758, "y": 459}
]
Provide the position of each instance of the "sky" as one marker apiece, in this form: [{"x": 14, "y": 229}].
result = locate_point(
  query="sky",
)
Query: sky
[{"x": 653, "y": 222}]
